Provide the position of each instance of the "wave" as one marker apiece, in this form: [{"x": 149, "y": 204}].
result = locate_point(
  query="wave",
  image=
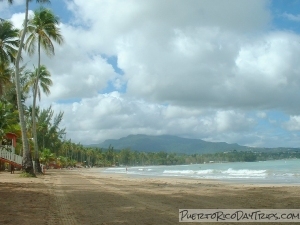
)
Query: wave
[
  {"x": 223, "y": 173},
  {"x": 245, "y": 172},
  {"x": 272, "y": 171}
]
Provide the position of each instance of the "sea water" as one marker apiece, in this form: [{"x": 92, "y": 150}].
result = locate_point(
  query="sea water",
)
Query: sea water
[{"x": 277, "y": 171}]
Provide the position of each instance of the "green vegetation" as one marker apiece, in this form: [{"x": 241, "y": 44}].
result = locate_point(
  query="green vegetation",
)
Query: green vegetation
[
  {"x": 24, "y": 174},
  {"x": 42, "y": 29},
  {"x": 87, "y": 156},
  {"x": 11, "y": 47},
  {"x": 12, "y": 54},
  {"x": 235, "y": 156}
]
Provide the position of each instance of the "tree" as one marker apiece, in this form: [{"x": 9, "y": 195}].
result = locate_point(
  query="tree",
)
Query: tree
[
  {"x": 5, "y": 76},
  {"x": 10, "y": 94},
  {"x": 8, "y": 121},
  {"x": 9, "y": 41},
  {"x": 50, "y": 135},
  {"x": 39, "y": 79},
  {"x": 125, "y": 155},
  {"x": 42, "y": 29},
  {"x": 47, "y": 156},
  {"x": 110, "y": 155},
  {"x": 89, "y": 154},
  {"x": 27, "y": 164}
]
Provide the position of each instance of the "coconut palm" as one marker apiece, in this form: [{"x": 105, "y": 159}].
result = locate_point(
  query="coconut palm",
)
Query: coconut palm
[
  {"x": 27, "y": 162},
  {"x": 42, "y": 29},
  {"x": 10, "y": 93},
  {"x": 39, "y": 80},
  {"x": 8, "y": 120},
  {"x": 5, "y": 76},
  {"x": 47, "y": 156},
  {"x": 9, "y": 41}
]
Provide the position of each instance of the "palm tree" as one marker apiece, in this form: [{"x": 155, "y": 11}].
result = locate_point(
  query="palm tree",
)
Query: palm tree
[
  {"x": 8, "y": 121},
  {"x": 42, "y": 28},
  {"x": 9, "y": 41},
  {"x": 5, "y": 76},
  {"x": 10, "y": 90},
  {"x": 47, "y": 156},
  {"x": 27, "y": 161},
  {"x": 50, "y": 134},
  {"x": 39, "y": 79}
]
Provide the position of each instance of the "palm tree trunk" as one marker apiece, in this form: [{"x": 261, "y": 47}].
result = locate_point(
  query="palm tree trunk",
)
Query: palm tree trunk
[
  {"x": 27, "y": 164},
  {"x": 38, "y": 168},
  {"x": 37, "y": 165}
]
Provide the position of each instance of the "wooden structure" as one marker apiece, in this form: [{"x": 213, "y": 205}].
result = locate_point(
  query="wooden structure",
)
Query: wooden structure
[{"x": 7, "y": 151}]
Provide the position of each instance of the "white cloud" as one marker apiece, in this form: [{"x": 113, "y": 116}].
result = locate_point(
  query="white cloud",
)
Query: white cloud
[
  {"x": 82, "y": 78},
  {"x": 106, "y": 114},
  {"x": 18, "y": 18},
  {"x": 292, "y": 17},
  {"x": 293, "y": 124},
  {"x": 190, "y": 68},
  {"x": 6, "y": 8}
]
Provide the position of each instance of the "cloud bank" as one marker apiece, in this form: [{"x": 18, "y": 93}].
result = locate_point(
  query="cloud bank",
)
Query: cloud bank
[{"x": 215, "y": 70}]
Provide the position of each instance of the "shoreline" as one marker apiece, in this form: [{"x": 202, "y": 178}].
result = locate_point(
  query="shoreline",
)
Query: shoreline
[
  {"x": 250, "y": 182},
  {"x": 85, "y": 196},
  {"x": 273, "y": 172}
]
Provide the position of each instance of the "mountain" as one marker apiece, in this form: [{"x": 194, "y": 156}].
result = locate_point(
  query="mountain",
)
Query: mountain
[{"x": 168, "y": 143}]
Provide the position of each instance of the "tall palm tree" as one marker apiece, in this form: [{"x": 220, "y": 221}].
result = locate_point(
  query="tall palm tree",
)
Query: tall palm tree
[
  {"x": 42, "y": 29},
  {"x": 10, "y": 91},
  {"x": 9, "y": 41},
  {"x": 27, "y": 164},
  {"x": 39, "y": 79}
]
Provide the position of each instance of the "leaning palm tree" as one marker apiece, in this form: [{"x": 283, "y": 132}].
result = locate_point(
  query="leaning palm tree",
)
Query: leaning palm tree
[
  {"x": 39, "y": 80},
  {"x": 42, "y": 29},
  {"x": 27, "y": 164}
]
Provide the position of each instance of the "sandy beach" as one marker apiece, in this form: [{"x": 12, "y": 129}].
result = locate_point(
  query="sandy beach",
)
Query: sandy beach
[{"x": 88, "y": 197}]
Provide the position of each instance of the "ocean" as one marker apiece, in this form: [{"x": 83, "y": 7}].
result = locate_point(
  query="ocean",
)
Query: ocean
[{"x": 277, "y": 171}]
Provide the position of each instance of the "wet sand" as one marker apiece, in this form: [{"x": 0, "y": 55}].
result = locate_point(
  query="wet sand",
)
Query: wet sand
[{"x": 86, "y": 196}]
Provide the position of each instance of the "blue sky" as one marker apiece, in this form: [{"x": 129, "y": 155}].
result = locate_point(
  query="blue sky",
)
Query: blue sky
[
  {"x": 281, "y": 9},
  {"x": 217, "y": 71}
]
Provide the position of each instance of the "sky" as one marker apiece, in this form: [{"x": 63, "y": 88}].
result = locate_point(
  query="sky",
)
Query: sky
[{"x": 214, "y": 70}]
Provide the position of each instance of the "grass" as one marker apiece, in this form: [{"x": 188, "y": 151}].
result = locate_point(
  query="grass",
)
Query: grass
[{"x": 28, "y": 175}]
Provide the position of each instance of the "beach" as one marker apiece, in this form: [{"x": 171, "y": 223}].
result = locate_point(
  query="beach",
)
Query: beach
[{"x": 87, "y": 196}]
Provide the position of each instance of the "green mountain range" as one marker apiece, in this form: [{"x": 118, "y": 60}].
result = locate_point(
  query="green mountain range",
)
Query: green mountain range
[{"x": 168, "y": 143}]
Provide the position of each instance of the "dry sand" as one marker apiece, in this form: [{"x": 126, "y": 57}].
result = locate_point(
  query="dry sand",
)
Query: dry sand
[{"x": 89, "y": 197}]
